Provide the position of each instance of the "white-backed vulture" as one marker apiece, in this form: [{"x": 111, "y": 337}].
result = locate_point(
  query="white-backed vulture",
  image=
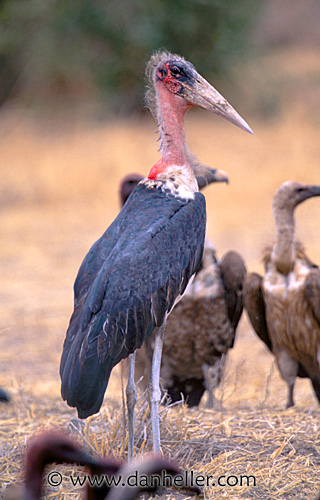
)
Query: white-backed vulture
[
  {"x": 202, "y": 327},
  {"x": 284, "y": 306}
]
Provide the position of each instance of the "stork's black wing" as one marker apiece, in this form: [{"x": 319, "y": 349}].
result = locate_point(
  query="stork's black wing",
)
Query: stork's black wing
[
  {"x": 94, "y": 260},
  {"x": 127, "y": 283}
]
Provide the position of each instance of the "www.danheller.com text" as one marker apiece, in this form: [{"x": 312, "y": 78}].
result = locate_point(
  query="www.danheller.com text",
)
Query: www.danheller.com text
[{"x": 164, "y": 479}]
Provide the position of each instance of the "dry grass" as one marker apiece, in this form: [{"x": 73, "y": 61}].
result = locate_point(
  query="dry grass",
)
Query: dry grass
[{"x": 58, "y": 194}]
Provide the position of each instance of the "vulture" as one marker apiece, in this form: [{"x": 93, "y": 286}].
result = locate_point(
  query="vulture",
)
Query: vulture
[
  {"x": 200, "y": 330},
  {"x": 284, "y": 305},
  {"x": 202, "y": 327}
]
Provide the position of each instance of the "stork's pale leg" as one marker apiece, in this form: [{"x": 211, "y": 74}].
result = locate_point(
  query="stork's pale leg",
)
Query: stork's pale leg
[
  {"x": 154, "y": 387},
  {"x": 131, "y": 403}
]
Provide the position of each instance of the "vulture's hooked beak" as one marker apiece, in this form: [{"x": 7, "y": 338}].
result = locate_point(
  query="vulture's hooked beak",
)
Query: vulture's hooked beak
[
  {"x": 198, "y": 92},
  {"x": 314, "y": 191},
  {"x": 210, "y": 175},
  {"x": 215, "y": 175}
]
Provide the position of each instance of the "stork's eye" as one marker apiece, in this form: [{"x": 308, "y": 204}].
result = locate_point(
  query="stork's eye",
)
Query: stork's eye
[
  {"x": 176, "y": 71},
  {"x": 300, "y": 189}
]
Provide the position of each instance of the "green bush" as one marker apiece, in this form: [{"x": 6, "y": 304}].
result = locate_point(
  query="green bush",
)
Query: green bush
[{"x": 83, "y": 48}]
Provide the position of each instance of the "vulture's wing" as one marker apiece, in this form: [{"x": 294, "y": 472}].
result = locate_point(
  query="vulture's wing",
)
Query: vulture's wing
[
  {"x": 312, "y": 295},
  {"x": 233, "y": 273},
  {"x": 312, "y": 292},
  {"x": 254, "y": 304}
]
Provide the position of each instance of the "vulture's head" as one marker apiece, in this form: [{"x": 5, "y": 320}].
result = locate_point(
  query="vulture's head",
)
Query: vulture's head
[
  {"x": 127, "y": 185},
  {"x": 292, "y": 193}
]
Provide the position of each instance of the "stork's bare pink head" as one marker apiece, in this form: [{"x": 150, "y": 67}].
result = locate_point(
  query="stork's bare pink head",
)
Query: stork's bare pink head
[{"x": 181, "y": 78}]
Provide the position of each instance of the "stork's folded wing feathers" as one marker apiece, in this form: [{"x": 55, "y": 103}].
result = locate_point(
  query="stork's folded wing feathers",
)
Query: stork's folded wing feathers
[
  {"x": 94, "y": 261},
  {"x": 147, "y": 268}
]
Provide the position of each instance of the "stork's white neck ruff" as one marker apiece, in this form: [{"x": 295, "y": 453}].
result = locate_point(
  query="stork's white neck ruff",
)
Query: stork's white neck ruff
[{"x": 178, "y": 180}]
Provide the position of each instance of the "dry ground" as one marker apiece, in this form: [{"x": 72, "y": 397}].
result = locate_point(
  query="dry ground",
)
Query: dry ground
[{"x": 58, "y": 191}]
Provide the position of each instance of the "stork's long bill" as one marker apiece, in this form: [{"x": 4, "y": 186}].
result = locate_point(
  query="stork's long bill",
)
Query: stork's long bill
[{"x": 198, "y": 92}]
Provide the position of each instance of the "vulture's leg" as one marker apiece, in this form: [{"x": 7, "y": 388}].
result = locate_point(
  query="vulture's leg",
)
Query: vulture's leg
[
  {"x": 316, "y": 387},
  {"x": 154, "y": 387},
  {"x": 212, "y": 378},
  {"x": 209, "y": 384},
  {"x": 131, "y": 403},
  {"x": 289, "y": 370}
]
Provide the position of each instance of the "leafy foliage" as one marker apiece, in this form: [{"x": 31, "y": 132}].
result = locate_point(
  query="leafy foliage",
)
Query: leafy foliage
[{"x": 100, "y": 47}]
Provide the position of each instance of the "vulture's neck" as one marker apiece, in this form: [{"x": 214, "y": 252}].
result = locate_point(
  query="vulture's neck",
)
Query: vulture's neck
[{"x": 283, "y": 254}]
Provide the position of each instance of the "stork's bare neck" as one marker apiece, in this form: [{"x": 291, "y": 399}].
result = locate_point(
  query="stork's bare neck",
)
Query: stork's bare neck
[
  {"x": 171, "y": 112},
  {"x": 174, "y": 168}
]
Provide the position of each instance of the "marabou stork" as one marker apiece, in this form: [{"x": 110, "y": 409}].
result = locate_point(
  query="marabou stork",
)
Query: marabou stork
[
  {"x": 284, "y": 306},
  {"x": 135, "y": 273},
  {"x": 202, "y": 327},
  {"x": 54, "y": 447}
]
